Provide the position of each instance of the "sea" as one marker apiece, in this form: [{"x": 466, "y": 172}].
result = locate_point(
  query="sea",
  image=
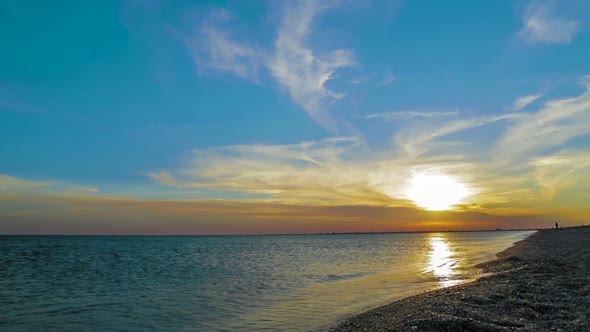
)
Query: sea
[{"x": 226, "y": 283}]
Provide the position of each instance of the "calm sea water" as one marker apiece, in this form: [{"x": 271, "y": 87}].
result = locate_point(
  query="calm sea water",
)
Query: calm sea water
[{"x": 284, "y": 282}]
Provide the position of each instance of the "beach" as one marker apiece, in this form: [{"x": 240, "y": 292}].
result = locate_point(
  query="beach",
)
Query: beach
[{"x": 541, "y": 283}]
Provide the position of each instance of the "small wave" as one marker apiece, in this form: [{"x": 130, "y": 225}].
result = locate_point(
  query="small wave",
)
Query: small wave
[{"x": 346, "y": 276}]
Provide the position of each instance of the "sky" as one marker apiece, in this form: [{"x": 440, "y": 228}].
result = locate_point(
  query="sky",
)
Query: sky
[{"x": 256, "y": 117}]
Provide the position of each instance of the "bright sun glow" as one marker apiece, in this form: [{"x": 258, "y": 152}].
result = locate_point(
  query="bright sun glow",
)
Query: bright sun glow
[{"x": 436, "y": 192}]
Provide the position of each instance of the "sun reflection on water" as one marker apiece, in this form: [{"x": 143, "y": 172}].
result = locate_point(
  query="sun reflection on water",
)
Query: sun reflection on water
[{"x": 442, "y": 262}]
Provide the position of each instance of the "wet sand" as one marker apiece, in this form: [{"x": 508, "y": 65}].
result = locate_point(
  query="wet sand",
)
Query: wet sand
[{"x": 540, "y": 284}]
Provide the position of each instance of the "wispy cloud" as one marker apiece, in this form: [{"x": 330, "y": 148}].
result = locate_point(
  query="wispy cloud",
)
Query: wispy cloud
[
  {"x": 213, "y": 48},
  {"x": 419, "y": 140},
  {"x": 10, "y": 183},
  {"x": 339, "y": 172},
  {"x": 315, "y": 171},
  {"x": 556, "y": 123},
  {"x": 329, "y": 172},
  {"x": 225, "y": 54},
  {"x": 542, "y": 25},
  {"x": 524, "y": 101},
  {"x": 82, "y": 189},
  {"x": 552, "y": 171},
  {"x": 410, "y": 114},
  {"x": 508, "y": 173},
  {"x": 388, "y": 79},
  {"x": 358, "y": 80},
  {"x": 301, "y": 69}
]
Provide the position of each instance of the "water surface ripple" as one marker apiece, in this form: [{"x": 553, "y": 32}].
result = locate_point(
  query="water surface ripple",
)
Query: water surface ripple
[{"x": 216, "y": 283}]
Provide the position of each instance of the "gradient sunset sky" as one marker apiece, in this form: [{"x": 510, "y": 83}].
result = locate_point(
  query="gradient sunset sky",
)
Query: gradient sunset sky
[{"x": 249, "y": 117}]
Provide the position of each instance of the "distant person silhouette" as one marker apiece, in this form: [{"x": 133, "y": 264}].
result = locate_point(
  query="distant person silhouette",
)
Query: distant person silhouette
[{"x": 556, "y": 226}]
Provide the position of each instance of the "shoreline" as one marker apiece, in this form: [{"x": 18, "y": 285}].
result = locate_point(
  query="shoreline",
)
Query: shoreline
[{"x": 541, "y": 283}]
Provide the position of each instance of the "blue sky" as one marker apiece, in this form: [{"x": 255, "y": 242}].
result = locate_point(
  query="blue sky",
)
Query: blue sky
[{"x": 314, "y": 103}]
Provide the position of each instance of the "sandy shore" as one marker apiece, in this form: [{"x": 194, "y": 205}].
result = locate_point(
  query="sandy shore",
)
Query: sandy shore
[{"x": 540, "y": 284}]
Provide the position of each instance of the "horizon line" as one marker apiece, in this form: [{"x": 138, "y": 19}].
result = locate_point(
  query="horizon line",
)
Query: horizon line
[{"x": 295, "y": 234}]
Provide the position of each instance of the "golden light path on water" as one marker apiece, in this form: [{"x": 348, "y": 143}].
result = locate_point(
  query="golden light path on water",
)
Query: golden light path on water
[
  {"x": 340, "y": 275},
  {"x": 442, "y": 262}
]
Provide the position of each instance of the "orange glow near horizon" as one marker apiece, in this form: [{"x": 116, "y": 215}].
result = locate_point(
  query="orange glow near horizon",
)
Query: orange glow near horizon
[{"x": 109, "y": 215}]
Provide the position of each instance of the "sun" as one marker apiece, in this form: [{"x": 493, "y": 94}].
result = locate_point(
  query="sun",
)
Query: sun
[{"x": 436, "y": 192}]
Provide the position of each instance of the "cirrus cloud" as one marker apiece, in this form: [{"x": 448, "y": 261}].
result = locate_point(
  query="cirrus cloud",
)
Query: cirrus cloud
[
  {"x": 542, "y": 25},
  {"x": 298, "y": 68}
]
